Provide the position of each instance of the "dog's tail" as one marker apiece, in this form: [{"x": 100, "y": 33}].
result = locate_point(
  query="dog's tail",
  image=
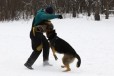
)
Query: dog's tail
[{"x": 79, "y": 60}]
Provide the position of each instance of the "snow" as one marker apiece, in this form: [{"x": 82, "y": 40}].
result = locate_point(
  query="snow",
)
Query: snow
[{"x": 92, "y": 40}]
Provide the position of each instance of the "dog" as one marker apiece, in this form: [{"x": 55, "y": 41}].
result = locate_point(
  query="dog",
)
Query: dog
[{"x": 61, "y": 46}]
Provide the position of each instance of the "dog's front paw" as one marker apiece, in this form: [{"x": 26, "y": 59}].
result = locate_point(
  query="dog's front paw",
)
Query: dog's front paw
[{"x": 55, "y": 57}]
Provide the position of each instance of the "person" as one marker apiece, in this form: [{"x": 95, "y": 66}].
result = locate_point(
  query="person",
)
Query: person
[{"x": 38, "y": 40}]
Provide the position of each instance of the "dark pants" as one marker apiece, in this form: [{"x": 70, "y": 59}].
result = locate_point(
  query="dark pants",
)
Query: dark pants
[{"x": 36, "y": 41}]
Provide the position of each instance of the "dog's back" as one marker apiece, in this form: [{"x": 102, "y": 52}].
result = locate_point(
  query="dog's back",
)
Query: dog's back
[{"x": 65, "y": 48}]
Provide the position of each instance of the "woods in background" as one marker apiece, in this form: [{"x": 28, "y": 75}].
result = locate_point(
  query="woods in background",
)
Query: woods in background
[{"x": 25, "y": 9}]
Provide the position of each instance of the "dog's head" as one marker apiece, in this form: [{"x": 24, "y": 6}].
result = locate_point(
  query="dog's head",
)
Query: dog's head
[{"x": 51, "y": 34}]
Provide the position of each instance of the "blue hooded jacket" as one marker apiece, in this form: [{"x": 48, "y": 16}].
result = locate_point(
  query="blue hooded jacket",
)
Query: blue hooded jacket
[{"x": 42, "y": 15}]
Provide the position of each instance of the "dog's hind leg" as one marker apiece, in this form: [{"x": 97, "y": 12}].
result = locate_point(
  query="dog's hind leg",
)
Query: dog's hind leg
[
  {"x": 63, "y": 60},
  {"x": 67, "y": 68},
  {"x": 66, "y": 62}
]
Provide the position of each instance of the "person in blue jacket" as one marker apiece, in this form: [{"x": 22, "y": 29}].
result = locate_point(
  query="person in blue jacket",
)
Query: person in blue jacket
[{"x": 38, "y": 40}]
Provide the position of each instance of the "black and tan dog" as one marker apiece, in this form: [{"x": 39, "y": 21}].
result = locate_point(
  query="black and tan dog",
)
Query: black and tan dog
[{"x": 61, "y": 46}]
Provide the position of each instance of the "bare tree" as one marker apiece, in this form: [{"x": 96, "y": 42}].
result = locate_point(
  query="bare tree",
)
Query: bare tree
[
  {"x": 89, "y": 6},
  {"x": 97, "y": 16},
  {"x": 107, "y": 5}
]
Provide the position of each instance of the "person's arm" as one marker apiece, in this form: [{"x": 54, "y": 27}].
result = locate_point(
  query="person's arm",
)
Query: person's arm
[{"x": 48, "y": 16}]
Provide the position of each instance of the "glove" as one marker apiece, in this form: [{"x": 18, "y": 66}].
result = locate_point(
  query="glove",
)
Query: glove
[{"x": 60, "y": 16}]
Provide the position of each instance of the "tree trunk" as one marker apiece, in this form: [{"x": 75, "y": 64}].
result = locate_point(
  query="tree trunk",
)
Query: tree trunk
[
  {"x": 97, "y": 16},
  {"x": 107, "y": 10},
  {"x": 74, "y": 9}
]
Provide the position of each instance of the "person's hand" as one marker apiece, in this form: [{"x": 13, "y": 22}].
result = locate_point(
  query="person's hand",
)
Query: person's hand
[{"x": 60, "y": 16}]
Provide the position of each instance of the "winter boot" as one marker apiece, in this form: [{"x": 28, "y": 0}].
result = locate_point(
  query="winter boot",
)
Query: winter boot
[
  {"x": 32, "y": 59},
  {"x": 28, "y": 66},
  {"x": 46, "y": 63}
]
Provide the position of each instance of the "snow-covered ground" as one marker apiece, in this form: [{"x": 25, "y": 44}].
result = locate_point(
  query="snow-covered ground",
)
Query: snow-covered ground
[{"x": 92, "y": 40}]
